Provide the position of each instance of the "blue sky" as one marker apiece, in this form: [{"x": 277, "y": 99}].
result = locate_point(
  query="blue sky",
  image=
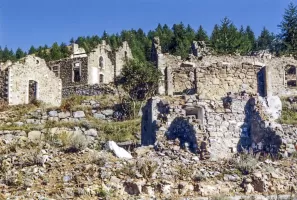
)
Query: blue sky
[{"x": 37, "y": 22}]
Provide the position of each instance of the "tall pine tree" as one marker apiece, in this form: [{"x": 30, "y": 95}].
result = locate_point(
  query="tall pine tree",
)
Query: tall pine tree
[{"x": 289, "y": 28}]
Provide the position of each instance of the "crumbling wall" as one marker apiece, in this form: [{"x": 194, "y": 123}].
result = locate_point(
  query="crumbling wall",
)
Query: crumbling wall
[
  {"x": 121, "y": 55},
  {"x": 87, "y": 90},
  {"x": 99, "y": 63},
  {"x": 207, "y": 128},
  {"x": 3, "y": 84},
  {"x": 165, "y": 63},
  {"x": 66, "y": 70},
  {"x": 216, "y": 80},
  {"x": 49, "y": 87},
  {"x": 277, "y": 77}
]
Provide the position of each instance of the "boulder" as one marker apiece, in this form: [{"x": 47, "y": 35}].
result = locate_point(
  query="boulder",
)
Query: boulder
[
  {"x": 63, "y": 115},
  {"x": 118, "y": 151},
  {"x": 108, "y": 112},
  {"x": 99, "y": 116},
  {"x": 53, "y": 113},
  {"x": 79, "y": 114},
  {"x": 34, "y": 135},
  {"x": 91, "y": 132}
]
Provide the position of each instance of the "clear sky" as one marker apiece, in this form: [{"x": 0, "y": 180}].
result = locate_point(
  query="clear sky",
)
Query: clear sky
[{"x": 37, "y": 22}]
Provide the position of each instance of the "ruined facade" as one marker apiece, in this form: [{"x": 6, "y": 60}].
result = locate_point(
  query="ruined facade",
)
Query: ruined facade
[
  {"x": 29, "y": 79},
  {"x": 100, "y": 66},
  {"x": 215, "y": 104}
]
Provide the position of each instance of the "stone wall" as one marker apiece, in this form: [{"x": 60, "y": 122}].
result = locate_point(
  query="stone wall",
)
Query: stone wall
[
  {"x": 121, "y": 55},
  {"x": 217, "y": 75},
  {"x": 87, "y": 90},
  {"x": 100, "y": 63},
  {"x": 3, "y": 84},
  {"x": 216, "y": 80},
  {"x": 65, "y": 67},
  {"x": 209, "y": 129},
  {"x": 48, "y": 88}
]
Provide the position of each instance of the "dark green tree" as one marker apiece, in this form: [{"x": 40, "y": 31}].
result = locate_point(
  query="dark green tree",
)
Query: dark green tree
[
  {"x": 139, "y": 79},
  {"x": 65, "y": 51},
  {"x": 288, "y": 28},
  {"x": 225, "y": 38},
  {"x": 251, "y": 35},
  {"x": 32, "y": 50},
  {"x": 19, "y": 53},
  {"x": 55, "y": 52},
  {"x": 201, "y": 35},
  {"x": 264, "y": 41}
]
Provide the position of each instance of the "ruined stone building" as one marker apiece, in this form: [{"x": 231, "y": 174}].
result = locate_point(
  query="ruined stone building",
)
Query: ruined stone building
[
  {"x": 196, "y": 109},
  {"x": 100, "y": 66},
  {"x": 29, "y": 79}
]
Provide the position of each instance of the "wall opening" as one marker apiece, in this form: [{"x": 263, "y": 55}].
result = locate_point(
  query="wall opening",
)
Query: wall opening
[
  {"x": 290, "y": 76},
  {"x": 32, "y": 94},
  {"x": 101, "y": 78},
  {"x": 76, "y": 72},
  {"x": 126, "y": 56},
  {"x": 56, "y": 70},
  {"x": 195, "y": 114},
  {"x": 101, "y": 64},
  {"x": 261, "y": 82}
]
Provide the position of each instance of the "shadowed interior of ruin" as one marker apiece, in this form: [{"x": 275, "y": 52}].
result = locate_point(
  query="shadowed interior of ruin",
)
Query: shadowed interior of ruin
[
  {"x": 256, "y": 136},
  {"x": 182, "y": 130}
]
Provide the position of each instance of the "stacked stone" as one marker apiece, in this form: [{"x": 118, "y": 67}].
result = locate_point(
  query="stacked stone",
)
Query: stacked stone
[{"x": 87, "y": 90}]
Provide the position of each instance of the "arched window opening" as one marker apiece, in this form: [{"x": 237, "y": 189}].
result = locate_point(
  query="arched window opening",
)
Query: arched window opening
[
  {"x": 126, "y": 56},
  {"x": 101, "y": 64},
  {"x": 290, "y": 76}
]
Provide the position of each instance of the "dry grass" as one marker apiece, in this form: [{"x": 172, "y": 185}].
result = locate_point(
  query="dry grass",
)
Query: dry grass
[{"x": 116, "y": 131}]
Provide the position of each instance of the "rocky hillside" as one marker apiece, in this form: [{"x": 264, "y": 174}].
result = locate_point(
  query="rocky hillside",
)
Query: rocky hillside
[
  {"x": 55, "y": 153},
  {"x": 42, "y": 169}
]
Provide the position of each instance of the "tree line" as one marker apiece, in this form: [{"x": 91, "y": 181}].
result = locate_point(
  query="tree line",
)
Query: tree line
[{"x": 225, "y": 38}]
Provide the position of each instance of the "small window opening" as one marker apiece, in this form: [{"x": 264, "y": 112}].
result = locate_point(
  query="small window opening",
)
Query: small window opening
[
  {"x": 76, "y": 72},
  {"x": 56, "y": 70},
  {"x": 101, "y": 64},
  {"x": 196, "y": 114},
  {"x": 126, "y": 55},
  {"x": 101, "y": 78},
  {"x": 290, "y": 76}
]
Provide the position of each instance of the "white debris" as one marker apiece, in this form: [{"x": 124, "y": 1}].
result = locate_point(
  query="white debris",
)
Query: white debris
[{"x": 118, "y": 151}]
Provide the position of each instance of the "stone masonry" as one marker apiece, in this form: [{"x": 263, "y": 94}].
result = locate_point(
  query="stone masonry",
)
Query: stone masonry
[
  {"x": 29, "y": 79},
  {"x": 101, "y": 66},
  {"x": 193, "y": 106}
]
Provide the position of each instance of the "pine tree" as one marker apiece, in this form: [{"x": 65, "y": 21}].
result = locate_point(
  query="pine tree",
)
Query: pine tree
[
  {"x": 201, "y": 34},
  {"x": 19, "y": 53},
  {"x": 289, "y": 28},
  {"x": 65, "y": 52},
  {"x": 251, "y": 35},
  {"x": 225, "y": 38},
  {"x": 32, "y": 50},
  {"x": 264, "y": 41},
  {"x": 55, "y": 52}
]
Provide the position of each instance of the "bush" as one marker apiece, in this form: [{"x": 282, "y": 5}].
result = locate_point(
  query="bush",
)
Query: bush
[
  {"x": 78, "y": 142},
  {"x": 245, "y": 163}
]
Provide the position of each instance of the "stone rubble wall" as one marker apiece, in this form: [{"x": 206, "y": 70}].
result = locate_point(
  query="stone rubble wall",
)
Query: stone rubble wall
[
  {"x": 94, "y": 69},
  {"x": 217, "y": 132},
  {"x": 217, "y": 75},
  {"x": 49, "y": 87},
  {"x": 4, "y": 85},
  {"x": 123, "y": 53},
  {"x": 87, "y": 90},
  {"x": 218, "y": 79},
  {"x": 66, "y": 69}
]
